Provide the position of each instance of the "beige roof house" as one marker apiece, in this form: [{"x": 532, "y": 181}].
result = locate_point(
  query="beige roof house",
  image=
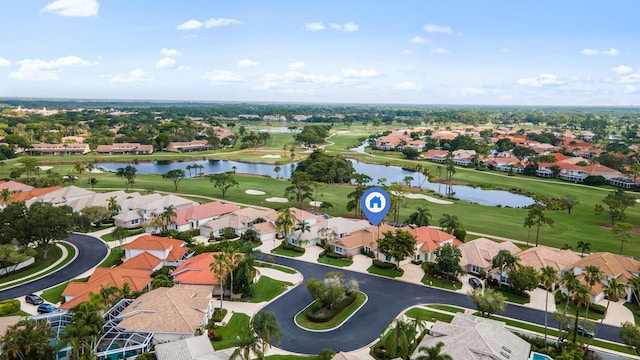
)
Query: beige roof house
[
  {"x": 138, "y": 210},
  {"x": 193, "y": 348},
  {"x": 470, "y": 337},
  {"x": 171, "y": 313},
  {"x": 366, "y": 239},
  {"x": 615, "y": 266},
  {"x": 238, "y": 220},
  {"x": 100, "y": 199},
  {"x": 478, "y": 254},
  {"x": 62, "y": 196}
]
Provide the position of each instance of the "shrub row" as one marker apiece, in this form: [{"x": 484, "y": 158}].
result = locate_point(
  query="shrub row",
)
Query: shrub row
[
  {"x": 383, "y": 264},
  {"x": 335, "y": 310},
  {"x": 288, "y": 246},
  {"x": 218, "y": 315},
  {"x": 9, "y": 306},
  {"x": 331, "y": 254}
]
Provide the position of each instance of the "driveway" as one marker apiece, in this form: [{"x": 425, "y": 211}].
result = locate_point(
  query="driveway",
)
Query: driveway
[
  {"x": 386, "y": 299},
  {"x": 91, "y": 252}
]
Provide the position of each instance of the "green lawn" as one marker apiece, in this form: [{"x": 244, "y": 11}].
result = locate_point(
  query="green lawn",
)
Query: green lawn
[
  {"x": 267, "y": 289},
  {"x": 572, "y": 311},
  {"x": 301, "y": 318},
  {"x": 447, "y": 308},
  {"x": 18, "y": 313},
  {"x": 229, "y": 332},
  {"x": 335, "y": 262},
  {"x": 113, "y": 259},
  {"x": 54, "y": 294},
  {"x": 511, "y": 297},
  {"x": 109, "y": 237},
  {"x": 392, "y": 273},
  {"x": 440, "y": 283},
  {"x": 634, "y": 310},
  {"x": 286, "y": 252},
  {"x": 55, "y": 253},
  {"x": 284, "y": 269},
  {"x": 427, "y": 315}
]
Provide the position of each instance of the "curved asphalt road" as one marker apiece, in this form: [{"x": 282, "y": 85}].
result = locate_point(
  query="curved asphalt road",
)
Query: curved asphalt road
[
  {"x": 91, "y": 252},
  {"x": 387, "y": 298}
]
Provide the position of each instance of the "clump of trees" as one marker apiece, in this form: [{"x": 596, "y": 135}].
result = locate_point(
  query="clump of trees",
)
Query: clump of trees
[
  {"x": 331, "y": 294},
  {"x": 325, "y": 168},
  {"x": 312, "y": 135}
]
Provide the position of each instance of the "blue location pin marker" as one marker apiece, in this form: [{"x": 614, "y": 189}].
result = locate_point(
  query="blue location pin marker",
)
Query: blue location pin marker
[{"x": 375, "y": 203}]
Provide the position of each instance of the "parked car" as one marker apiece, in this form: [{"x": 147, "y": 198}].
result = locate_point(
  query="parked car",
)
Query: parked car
[
  {"x": 475, "y": 283},
  {"x": 47, "y": 308},
  {"x": 582, "y": 331},
  {"x": 33, "y": 299}
]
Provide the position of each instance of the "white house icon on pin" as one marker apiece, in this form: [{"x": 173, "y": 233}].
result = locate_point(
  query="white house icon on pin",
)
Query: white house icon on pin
[{"x": 375, "y": 201}]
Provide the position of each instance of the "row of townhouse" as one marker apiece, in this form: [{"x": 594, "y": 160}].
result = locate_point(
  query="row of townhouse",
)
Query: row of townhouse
[{"x": 114, "y": 149}]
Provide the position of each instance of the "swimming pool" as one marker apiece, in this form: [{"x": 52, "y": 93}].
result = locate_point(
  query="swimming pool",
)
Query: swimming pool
[{"x": 538, "y": 356}]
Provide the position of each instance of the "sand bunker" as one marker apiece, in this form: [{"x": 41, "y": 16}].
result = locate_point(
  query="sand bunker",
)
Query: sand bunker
[
  {"x": 271, "y": 156},
  {"x": 45, "y": 168},
  {"x": 428, "y": 198},
  {"x": 277, "y": 199},
  {"x": 315, "y": 203},
  {"x": 95, "y": 171},
  {"x": 254, "y": 192}
]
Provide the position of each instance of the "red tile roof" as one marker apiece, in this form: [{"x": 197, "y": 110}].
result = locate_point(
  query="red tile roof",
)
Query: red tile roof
[
  {"x": 429, "y": 239},
  {"x": 152, "y": 242},
  {"x": 144, "y": 261},
  {"x": 27, "y": 195},
  {"x": 197, "y": 271},
  {"x": 15, "y": 186}
]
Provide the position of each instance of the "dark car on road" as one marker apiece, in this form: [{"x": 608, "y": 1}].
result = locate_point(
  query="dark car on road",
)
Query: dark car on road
[
  {"x": 33, "y": 299},
  {"x": 475, "y": 283},
  {"x": 47, "y": 308}
]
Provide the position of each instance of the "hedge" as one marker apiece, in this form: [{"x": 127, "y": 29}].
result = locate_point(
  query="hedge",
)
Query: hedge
[
  {"x": 288, "y": 246},
  {"x": 331, "y": 254},
  {"x": 383, "y": 265},
  {"x": 9, "y": 307},
  {"x": 335, "y": 310}
]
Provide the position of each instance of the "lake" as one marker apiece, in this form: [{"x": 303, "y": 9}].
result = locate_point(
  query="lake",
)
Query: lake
[{"x": 376, "y": 172}]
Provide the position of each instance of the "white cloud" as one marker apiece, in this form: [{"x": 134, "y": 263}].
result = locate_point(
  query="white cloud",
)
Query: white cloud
[
  {"x": 364, "y": 73},
  {"x": 351, "y": 27},
  {"x": 190, "y": 25},
  {"x": 540, "y": 81},
  {"x": 36, "y": 69},
  {"x": 439, "y": 51},
  {"x": 610, "y": 52},
  {"x": 221, "y": 76},
  {"x": 437, "y": 29},
  {"x": 336, "y": 26},
  {"x": 166, "y": 63},
  {"x": 82, "y": 8},
  {"x": 170, "y": 52},
  {"x": 630, "y": 89},
  {"x": 315, "y": 26},
  {"x": 247, "y": 63},
  {"x": 629, "y": 79},
  {"x": 137, "y": 75},
  {"x": 267, "y": 85},
  {"x": 4, "y": 62},
  {"x": 220, "y": 22},
  {"x": 419, "y": 40},
  {"x": 406, "y": 85},
  {"x": 296, "y": 65},
  {"x": 184, "y": 68},
  {"x": 471, "y": 91},
  {"x": 622, "y": 69},
  {"x": 312, "y": 78},
  {"x": 505, "y": 97}
]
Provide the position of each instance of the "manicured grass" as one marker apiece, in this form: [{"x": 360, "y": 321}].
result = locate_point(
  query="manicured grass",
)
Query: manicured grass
[
  {"x": 301, "y": 318},
  {"x": 634, "y": 310},
  {"x": 237, "y": 323},
  {"x": 18, "y": 313},
  {"x": 28, "y": 274},
  {"x": 448, "y": 308},
  {"x": 54, "y": 294},
  {"x": 572, "y": 311},
  {"x": 286, "y": 252},
  {"x": 511, "y": 297},
  {"x": 440, "y": 283},
  {"x": 54, "y": 255},
  {"x": 392, "y": 273},
  {"x": 113, "y": 259},
  {"x": 334, "y": 262},
  {"x": 267, "y": 289},
  {"x": 427, "y": 315},
  {"x": 276, "y": 267},
  {"x": 109, "y": 237}
]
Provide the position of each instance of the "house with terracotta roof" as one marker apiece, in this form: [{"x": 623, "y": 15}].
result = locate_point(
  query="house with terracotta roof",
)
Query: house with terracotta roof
[
  {"x": 613, "y": 266},
  {"x": 170, "y": 251},
  {"x": 188, "y": 146},
  {"x": 58, "y": 149},
  {"x": 478, "y": 254},
  {"x": 266, "y": 230},
  {"x": 190, "y": 218},
  {"x": 62, "y": 196},
  {"x": 30, "y": 194},
  {"x": 393, "y": 141},
  {"x": 463, "y": 157},
  {"x": 364, "y": 240},
  {"x": 436, "y": 155},
  {"x": 196, "y": 271},
  {"x": 124, "y": 148},
  {"x": 78, "y": 292},
  {"x": 14, "y": 186},
  {"x": 428, "y": 240},
  {"x": 170, "y": 313},
  {"x": 239, "y": 221},
  {"x": 539, "y": 257},
  {"x": 138, "y": 210}
]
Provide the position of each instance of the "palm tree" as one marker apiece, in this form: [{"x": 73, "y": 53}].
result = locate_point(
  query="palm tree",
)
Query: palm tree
[
  {"x": 189, "y": 168},
  {"x": 421, "y": 217},
  {"x": 277, "y": 169},
  {"x": 168, "y": 215},
  {"x": 407, "y": 181},
  {"x": 83, "y": 330},
  {"x": 399, "y": 340},
  {"x": 266, "y": 325},
  {"x": 113, "y": 206},
  {"x": 570, "y": 282},
  {"x": 119, "y": 233},
  {"x": 248, "y": 343},
  {"x": 220, "y": 265},
  {"x": 505, "y": 261},
  {"x": 615, "y": 290},
  {"x": 433, "y": 352},
  {"x": 583, "y": 246},
  {"x": 592, "y": 275},
  {"x": 303, "y": 226},
  {"x": 284, "y": 223},
  {"x": 548, "y": 276},
  {"x": 5, "y": 196},
  {"x": 581, "y": 296},
  {"x": 92, "y": 182},
  {"x": 28, "y": 340},
  {"x": 634, "y": 283}
]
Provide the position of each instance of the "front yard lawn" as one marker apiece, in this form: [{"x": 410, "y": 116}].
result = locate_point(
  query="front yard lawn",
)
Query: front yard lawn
[
  {"x": 267, "y": 289},
  {"x": 335, "y": 262},
  {"x": 428, "y": 315},
  {"x": 392, "y": 273},
  {"x": 440, "y": 283},
  {"x": 286, "y": 252},
  {"x": 229, "y": 332}
]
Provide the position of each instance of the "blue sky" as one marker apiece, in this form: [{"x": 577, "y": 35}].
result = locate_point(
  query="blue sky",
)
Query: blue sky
[{"x": 350, "y": 51}]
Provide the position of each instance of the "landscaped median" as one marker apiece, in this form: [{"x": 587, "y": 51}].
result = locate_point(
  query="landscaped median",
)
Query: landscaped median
[
  {"x": 334, "y": 318},
  {"x": 56, "y": 262}
]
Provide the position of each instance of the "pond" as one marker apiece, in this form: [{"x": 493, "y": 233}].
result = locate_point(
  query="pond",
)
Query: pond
[{"x": 376, "y": 172}]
